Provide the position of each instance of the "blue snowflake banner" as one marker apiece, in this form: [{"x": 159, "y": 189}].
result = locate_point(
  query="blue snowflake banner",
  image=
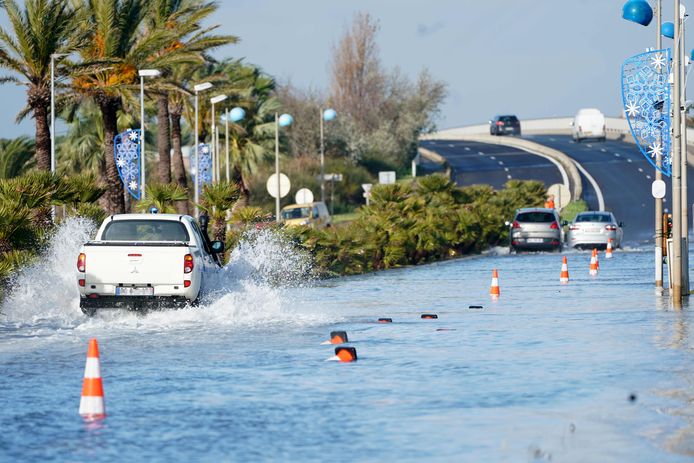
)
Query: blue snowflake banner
[
  {"x": 646, "y": 99},
  {"x": 205, "y": 154},
  {"x": 127, "y": 155}
]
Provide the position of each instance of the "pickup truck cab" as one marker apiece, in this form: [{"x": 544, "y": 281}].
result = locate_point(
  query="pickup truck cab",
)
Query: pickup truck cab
[{"x": 140, "y": 261}]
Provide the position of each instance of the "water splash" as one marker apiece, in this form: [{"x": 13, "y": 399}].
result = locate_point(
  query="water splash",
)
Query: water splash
[{"x": 262, "y": 285}]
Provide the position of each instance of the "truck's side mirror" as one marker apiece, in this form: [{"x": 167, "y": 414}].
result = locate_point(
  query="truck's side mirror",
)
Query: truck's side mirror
[{"x": 217, "y": 247}]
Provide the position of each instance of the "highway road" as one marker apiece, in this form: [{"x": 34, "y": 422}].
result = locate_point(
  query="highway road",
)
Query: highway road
[
  {"x": 474, "y": 163},
  {"x": 621, "y": 172}
]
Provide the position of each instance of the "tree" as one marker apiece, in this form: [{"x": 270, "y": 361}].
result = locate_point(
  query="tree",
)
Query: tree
[
  {"x": 41, "y": 29},
  {"x": 190, "y": 44},
  {"x": 15, "y": 156},
  {"x": 117, "y": 47},
  {"x": 357, "y": 77},
  {"x": 217, "y": 200}
]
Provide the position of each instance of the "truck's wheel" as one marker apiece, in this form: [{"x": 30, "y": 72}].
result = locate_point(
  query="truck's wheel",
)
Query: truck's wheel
[{"x": 88, "y": 311}]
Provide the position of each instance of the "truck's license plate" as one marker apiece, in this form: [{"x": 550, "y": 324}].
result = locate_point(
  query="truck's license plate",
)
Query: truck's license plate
[{"x": 142, "y": 291}]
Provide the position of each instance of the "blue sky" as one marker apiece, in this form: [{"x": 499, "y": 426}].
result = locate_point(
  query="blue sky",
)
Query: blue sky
[{"x": 534, "y": 58}]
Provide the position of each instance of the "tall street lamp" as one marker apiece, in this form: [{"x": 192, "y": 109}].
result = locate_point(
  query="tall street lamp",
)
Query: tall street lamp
[
  {"x": 640, "y": 12},
  {"x": 237, "y": 114},
  {"x": 215, "y": 141},
  {"x": 327, "y": 115},
  {"x": 54, "y": 56},
  {"x": 144, "y": 73},
  {"x": 285, "y": 120},
  {"x": 198, "y": 88}
]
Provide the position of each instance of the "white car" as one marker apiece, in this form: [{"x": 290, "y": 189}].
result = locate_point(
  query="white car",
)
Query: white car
[
  {"x": 139, "y": 261},
  {"x": 593, "y": 229},
  {"x": 588, "y": 123}
]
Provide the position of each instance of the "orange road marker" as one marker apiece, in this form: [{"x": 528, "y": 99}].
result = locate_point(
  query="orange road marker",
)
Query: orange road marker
[
  {"x": 494, "y": 289},
  {"x": 608, "y": 252},
  {"x": 92, "y": 401},
  {"x": 564, "y": 275},
  {"x": 346, "y": 354},
  {"x": 429, "y": 316}
]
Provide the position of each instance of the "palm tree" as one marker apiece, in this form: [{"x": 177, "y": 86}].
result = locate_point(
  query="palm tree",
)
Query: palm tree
[
  {"x": 41, "y": 29},
  {"x": 117, "y": 47},
  {"x": 192, "y": 42},
  {"x": 15, "y": 156},
  {"x": 162, "y": 196},
  {"x": 217, "y": 200}
]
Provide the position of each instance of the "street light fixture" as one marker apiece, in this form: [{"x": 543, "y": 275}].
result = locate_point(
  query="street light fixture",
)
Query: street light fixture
[
  {"x": 327, "y": 115},
  {"x": 198, "y": 88},
  {"x": 144, "y": 73},
  {"x": 215, "y": 138},
  {"x": 285, "y": 120},
  {"x": 236, "y": 114}
]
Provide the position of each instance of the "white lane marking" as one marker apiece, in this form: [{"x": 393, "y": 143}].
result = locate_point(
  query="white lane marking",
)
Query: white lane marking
[
  {"x": 492, "y": 157},
  {"x": 505, "y": 169},
  {"x": 617, "y": 154},
  {"x": 481, "y": 153},
  {"x": 552, "y": 139},
  {"x": 628, "y": 160},
  {"x": 603, "y": 150},
  {"x": 589, "y": 145},
  {"x": 562, "y": 171},
  {"x": 596, "y": 187},
  {"x": 509, "y": 177},
  {"x": 467, "y": 148},
  {"x": 501, "y": 163},
  {"x": 451, "y": 145},
  {"x": 640, "y": 169},
  {"x": 648, "y": 177}
]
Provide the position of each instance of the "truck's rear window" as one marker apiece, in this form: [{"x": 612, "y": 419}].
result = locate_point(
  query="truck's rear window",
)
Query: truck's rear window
[{"x": 145, "y": 230}]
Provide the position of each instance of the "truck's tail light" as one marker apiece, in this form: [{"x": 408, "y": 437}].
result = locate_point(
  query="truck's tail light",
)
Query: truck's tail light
[
  {"x": 186, "y": 283},
  {"x": 554, "y": 226},
  {"x": 82, "y": 282},
  {"x": 82, "y": 263},
  {"x": 611, "y": 228},
  {"x": 188, "y": 264}
]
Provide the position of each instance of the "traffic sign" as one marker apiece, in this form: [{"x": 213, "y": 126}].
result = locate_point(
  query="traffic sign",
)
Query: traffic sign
[
  {"x": 303, "y": 196},
  {"x": 386, "y": 177},
  {"x": 658, "y": 189},
  {"x": 271, "y": 185},
  {"x": 562, "y": 196}
]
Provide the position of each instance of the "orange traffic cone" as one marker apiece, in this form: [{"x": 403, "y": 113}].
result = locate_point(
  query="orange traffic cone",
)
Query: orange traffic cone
[
  {"x": 92, "y": 402},
  {"x": 597, "y": 260},
  {"x": 608, "y": 252},
  {"x": 564, "y": 276},
  {"x": 593, "y": 264},
  {"x": 494, "y": 289}
]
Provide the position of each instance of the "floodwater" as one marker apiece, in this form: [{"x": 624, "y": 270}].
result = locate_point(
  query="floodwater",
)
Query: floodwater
[{"x": 600, "y": 369}]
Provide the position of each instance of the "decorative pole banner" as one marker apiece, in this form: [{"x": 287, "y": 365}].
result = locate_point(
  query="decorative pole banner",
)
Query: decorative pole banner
[
  {"x": 646, "y": 99},
  {"x": 205, "y": 164},
  {"x": 127, "y": 155}
]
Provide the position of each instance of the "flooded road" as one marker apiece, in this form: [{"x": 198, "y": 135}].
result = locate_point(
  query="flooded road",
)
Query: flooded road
[{"x": 600, "y": 369}]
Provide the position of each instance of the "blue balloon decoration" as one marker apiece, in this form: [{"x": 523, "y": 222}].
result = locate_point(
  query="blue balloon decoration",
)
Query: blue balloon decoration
[
  {"x": 668, "y": 30},
  {"x": 638, "y": 11},
  {"x": 285, "y": 120},
  {"x": 237, "y": 114},
  {"x": 691, "y": 55},
  {"x": 329, "y": 114}
]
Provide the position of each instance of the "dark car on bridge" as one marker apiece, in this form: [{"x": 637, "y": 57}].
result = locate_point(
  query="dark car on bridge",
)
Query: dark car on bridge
[
  {"x": 536, "y": 229},
  {"x": 505, "y": 125}
]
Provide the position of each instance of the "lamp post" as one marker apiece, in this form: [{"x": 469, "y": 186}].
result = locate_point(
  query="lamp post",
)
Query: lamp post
[
  {"x": 285, "y": 120},
  {"x": 198, "y": 88},
  {"x": 144, "y": 73},
  {"x": 237, "y": 114},
  {"x": 676, "y": 266},
  {"x": 215, "y": 164},
  {"x": 640, "y": 12},
  {"x": 327, "y": 115},
  {"x": 54, "y": 56}
]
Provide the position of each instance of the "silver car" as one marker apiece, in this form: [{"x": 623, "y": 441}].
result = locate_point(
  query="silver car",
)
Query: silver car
[
  {"x": 593, "y": 229},
  {"x": 536, "y": 229}
]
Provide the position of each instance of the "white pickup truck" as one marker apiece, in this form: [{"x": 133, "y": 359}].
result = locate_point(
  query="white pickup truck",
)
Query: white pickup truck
[{"x": 140, "y": 261}]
